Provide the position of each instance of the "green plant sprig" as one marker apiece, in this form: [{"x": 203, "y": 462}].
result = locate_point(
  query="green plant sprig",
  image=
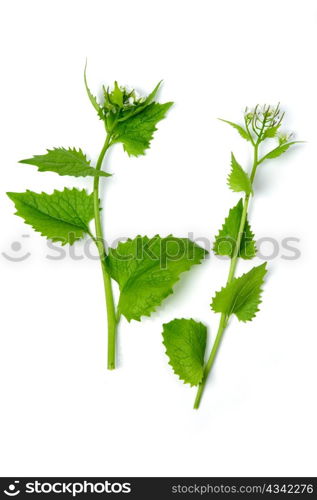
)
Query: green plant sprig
[
  {"x": 145, "y": 269},
  {"x": 185, "y": 339}
]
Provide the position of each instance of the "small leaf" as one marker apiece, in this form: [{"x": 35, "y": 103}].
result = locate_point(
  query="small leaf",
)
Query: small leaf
[
  {"x": 279, "y": 150},
  {"x": 227, "y": 237},
  {"x": 185, "y": 342},
  {"x": 61, "y": 216},
  {"x": 91, "y": 97},
  {"x": 136, "y": 133},
  {"x": 65, "y": 162},
  {"x": 140, "y": 106},
  {"x": 270, "y": 132},
  {"x": 147, "y": 269},
  {"x": 238, "y": 179},
  {"x": 240, "y": 129},
  {"x": 117, "y": 95},
  {"x": 152, "y": 95},
  {"x": 242, "y": 296}
]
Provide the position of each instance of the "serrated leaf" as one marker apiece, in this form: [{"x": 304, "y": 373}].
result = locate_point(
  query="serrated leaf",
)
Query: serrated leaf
[
  {"x": 126, "y": 114},
  {"x": 238, "y": 179},
  {"x": 240, "y": 129},
  {"x": 136, "y": 132},
  {"x": 185, "y": 342},
  {"x": 147, "y": 269},
  {"x": 62, "y": 216},
  {"x": 271, "y": 132},
  {"x": 117, "y": 95},
  {"x": 65, "y": 162},
  {"x": 227, "y": 237},
  {"x": 279, "y": 150},
  {"x": 242, "y": 296},
  {"x": 91, "y": 97}
]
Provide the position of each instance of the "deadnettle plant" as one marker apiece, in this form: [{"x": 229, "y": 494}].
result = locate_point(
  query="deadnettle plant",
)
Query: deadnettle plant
[
  {"x": 185, "y": 339},
  {"x": 145, "y": 269}
]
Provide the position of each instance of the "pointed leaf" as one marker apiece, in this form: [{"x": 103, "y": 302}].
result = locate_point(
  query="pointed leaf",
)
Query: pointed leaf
[
  {"x": 279, "y": 150},
  {"x": 185, "y": 342},
  {"x": 61, "y": 216},
  {"x": 238, "y": 179},
  {"x": 65, "y": 162},
  {"x": 136, "y": 133},
  {"x": 117, "y": 95},
  {"x": 240, "y": 129},
  {"x": 271, "y": 132},
  {"x": 91, "y": 97},
  {"x": 141, "y": 105},
  {"x": 152, "y": 95},
  {"x": 147, "y": 269},
  {"x": 242, "y": 296},
  {"x": 227, "y": 237}
]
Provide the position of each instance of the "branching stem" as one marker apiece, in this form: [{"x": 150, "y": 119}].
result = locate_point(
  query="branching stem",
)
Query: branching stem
[{"x": 224, "y": 318}]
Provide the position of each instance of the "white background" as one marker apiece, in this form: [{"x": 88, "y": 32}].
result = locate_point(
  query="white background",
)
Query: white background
[{"x": 62, "y": 412}]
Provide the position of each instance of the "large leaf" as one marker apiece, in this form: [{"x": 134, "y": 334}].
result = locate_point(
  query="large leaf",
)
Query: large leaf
[
  {"x": 227, "y": 237},
  {"x": 147, "y": 269},
  {"x": 62, "y": 216},
  {"x": 137, "y": 132},
  {"x": 65, "y": 162},
  {"x": 242, "y": 296},
  {"x": 185, "y": 342},
  {"x": 238, "y": 179}
]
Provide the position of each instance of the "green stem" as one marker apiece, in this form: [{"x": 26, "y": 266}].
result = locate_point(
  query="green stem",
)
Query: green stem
[
  {"x": 211, "y": 359},
  {"x": 111, "y": 312},
  {"x": 233, "y": 264}
]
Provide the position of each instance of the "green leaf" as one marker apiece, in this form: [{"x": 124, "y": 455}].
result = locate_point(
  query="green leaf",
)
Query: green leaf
[
  {"x": 152, "y": 95},
  {"x": 91, "y": 97},
  {"x": 136, "y": 132},
  {"x": 242, "y": 296},
  {"x": 238, "y": 179},
  {"x": 185, "y": 342},
  {"x": 139, "y": 105},
  {"x": 61, "y": 216},
  {"x": 65, "y": 162},
  {"x": 279, "y": 150},
  {"x": 240, "y": 129},
  {"x": 117, "y": 95},
  {"x": 270, "y": 132},
  {"x": 227, "y": 237},
  {"x": 147, "y": 269}
]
